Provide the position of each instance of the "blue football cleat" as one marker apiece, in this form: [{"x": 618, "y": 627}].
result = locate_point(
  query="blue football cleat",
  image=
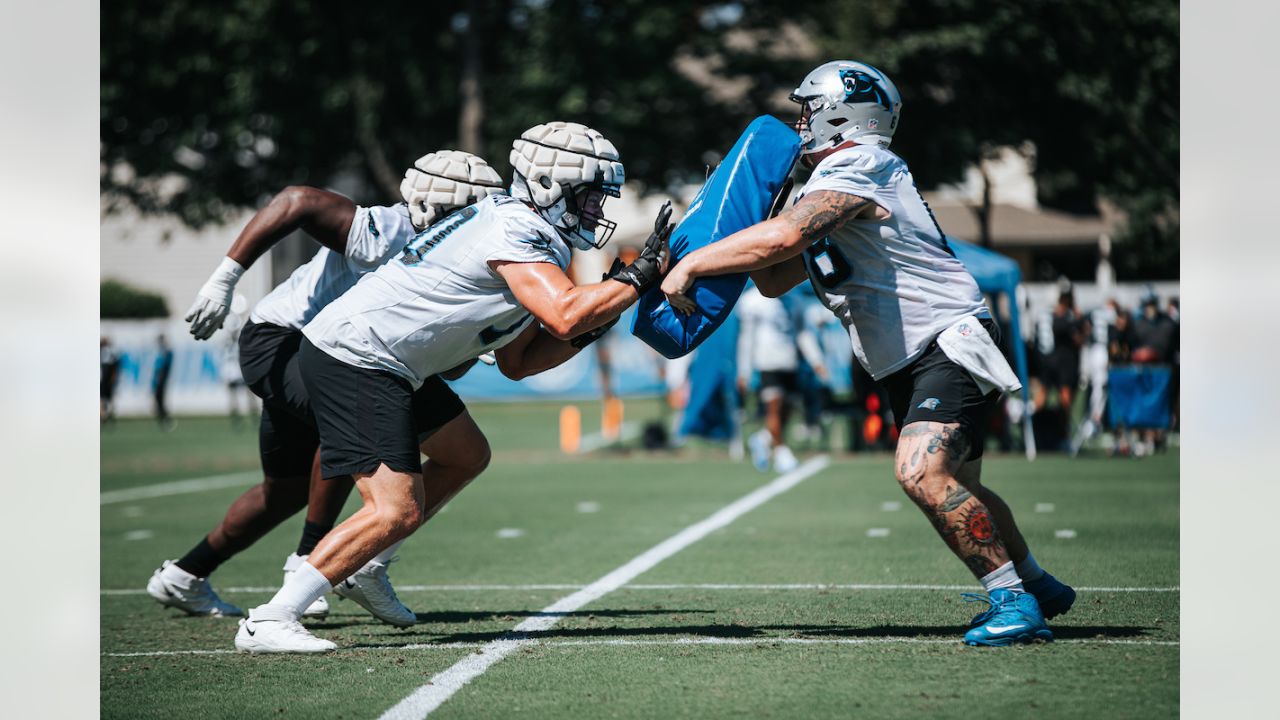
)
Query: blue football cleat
[
  {"x": 1014, "y": 617},
  {"x": 1054, "y": 596}
]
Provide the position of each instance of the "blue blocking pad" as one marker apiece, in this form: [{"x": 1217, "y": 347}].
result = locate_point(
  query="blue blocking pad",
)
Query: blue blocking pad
[{"x": 738, "y": 194}]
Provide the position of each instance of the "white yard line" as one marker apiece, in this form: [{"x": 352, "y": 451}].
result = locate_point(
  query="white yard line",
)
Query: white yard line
[
  {"x": 443, "y": 685},
  {"x": 877, "y": 640},
  {"x": 671, "y": 586},
  {"x": 177, "y": 487}
]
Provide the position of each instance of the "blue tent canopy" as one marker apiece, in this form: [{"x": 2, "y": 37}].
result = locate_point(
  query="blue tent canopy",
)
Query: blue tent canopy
[{"x": 997, "y": 274}]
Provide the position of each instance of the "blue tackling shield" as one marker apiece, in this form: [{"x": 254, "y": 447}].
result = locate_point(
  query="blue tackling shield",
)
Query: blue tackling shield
[{"x": 738, "y": 194}]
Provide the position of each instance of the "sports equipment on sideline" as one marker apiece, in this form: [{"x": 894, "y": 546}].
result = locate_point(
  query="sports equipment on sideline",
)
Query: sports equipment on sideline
[
  {"x": 740, "y": 193},
  {"x": 441, "y": 181},
  {"x": 566, "y": 170},
  {"x": 174, "y": 587},
  {"x": 846, "y": 100},
  {"x": 1015, "y": 617},
  {"x": 270, "y": 629}
]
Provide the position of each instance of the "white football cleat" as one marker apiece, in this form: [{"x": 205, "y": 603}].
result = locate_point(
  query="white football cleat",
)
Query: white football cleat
[
  {"x": 174, "y": 587},
  {"x": 317, "y": 609},
  {"x": 274, "y": 629},
  {"x": 760, "y": 443},
  {"x": 371, "y": 589},
  {"x": 784, "y": 461}
]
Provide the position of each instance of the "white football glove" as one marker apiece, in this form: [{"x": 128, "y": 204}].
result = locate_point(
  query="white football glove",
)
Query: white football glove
[{"x": 213, "y": 302}]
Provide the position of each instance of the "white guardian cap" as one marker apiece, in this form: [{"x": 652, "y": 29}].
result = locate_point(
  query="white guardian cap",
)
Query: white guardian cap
[
  {"x": 846, "y": 100},
  {"x": 566, "y": 170},
  {"x": 444, "y": 181}
]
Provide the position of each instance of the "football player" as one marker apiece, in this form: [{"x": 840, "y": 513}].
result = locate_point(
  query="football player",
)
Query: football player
[
  {"x": 866, "y": 239},
  {"x": 355, "y": 241},
  {"x": 490, "y": 277}
]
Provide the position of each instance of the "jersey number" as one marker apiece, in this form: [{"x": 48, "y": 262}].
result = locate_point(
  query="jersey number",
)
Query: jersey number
[
  {"x": 829, "y": 266},
  {"x": 493, "y": 333},
  {"x": 427, "y": 240}
]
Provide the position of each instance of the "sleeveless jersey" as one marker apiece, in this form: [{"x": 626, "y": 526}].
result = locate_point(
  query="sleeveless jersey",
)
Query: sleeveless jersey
[
  {"x": 376, "y": 234},
  {"x": 894, "y": 283},
  {"x": 440, "y": 303}
]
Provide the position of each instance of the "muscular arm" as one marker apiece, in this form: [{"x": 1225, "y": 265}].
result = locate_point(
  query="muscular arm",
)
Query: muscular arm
[
  {"x": 323, "y": 215},
  {"x": 533, "y": 351},
  {"x": 564, "y": 309},
  {"x": 769, "y": 243}
]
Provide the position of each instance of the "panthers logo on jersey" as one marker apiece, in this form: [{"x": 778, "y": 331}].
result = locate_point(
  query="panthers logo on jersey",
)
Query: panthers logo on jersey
[{"x": 860, "y": 87}]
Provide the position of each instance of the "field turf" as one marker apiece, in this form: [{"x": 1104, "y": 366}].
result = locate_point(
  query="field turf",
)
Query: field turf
[{"x": 801, "y": 607}]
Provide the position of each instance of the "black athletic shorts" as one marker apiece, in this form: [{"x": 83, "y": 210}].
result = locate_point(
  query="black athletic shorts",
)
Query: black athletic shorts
[
  {"x": 287, "y": 435},
  {"x": 935, "y": 389},
  {"x": 287, "y": 438},
  {"x": 784, "y": 379},
  {"x": 369, "y": 417}
]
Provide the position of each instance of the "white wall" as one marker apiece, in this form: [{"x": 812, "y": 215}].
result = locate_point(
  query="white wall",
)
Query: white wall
[{"x": 161, "y": 255}]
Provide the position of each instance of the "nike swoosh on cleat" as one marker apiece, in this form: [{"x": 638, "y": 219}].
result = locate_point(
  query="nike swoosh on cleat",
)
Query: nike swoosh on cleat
[
  {"x": 250, "y": 630},
  {"x": 1002, "y": 628}
]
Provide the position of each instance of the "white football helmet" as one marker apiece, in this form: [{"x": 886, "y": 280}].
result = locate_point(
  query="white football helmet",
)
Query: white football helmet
[
  {"x": 566, "y": 170},
  {"x": 444, "y": 181},
  {"x": 846, "y": 100}
]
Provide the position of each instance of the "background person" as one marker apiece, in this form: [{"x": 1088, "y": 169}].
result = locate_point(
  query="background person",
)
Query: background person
[
  {"x": 160, "y": 383},
  {"x": 108, "y": 374}
]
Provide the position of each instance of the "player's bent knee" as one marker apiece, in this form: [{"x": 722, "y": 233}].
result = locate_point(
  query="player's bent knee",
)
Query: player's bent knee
[
  {"x": 479, "y": 459},
  {"x": 286, "y": 492},
  {"x": 400, "y": 520}
]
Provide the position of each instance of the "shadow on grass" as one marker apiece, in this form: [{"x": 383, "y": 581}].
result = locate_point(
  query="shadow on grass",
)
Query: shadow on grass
[
  {"x": 765, "y": 632},
  {"x": 463, "y": 616}
]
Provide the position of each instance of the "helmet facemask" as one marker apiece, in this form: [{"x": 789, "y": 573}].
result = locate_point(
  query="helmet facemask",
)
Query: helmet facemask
[
  {"x": 566, "y": 171},
  {"x": 583, "y": 222},
  {"x": 845, "y": 101}
]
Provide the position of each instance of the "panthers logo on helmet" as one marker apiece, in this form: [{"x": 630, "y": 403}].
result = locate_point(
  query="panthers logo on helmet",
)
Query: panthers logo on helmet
[{"x": 860, "y": 87}]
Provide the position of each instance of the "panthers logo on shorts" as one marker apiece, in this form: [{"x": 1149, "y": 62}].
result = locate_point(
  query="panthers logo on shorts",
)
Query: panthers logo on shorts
[{"x": 930, "y": 404}]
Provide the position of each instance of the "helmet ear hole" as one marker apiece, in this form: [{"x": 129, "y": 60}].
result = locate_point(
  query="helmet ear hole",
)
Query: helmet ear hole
[{"x": 545, "y": 182}]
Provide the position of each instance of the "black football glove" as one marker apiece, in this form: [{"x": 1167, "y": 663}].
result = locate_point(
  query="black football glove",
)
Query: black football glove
[{"x": 649, "y": 268}]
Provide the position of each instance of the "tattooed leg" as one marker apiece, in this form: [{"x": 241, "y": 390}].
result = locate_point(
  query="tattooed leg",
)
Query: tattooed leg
[
  {"x": 970, "y": 475},
  {"x": 929, "y": 458}
]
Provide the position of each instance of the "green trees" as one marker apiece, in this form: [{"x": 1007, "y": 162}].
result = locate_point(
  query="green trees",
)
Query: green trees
[
  {"x": 210, "y": 106},
  {"x": 119, "y": 301}
]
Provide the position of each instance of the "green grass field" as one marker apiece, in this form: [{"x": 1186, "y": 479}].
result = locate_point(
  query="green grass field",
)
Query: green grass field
[{"x": 757, "y": 619}]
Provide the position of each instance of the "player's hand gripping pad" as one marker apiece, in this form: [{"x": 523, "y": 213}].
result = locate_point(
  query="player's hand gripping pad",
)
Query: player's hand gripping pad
[{"x": 738, "y": 194}]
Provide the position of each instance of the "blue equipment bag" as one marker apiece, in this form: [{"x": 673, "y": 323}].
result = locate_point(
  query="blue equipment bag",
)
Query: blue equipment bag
[{"x": 738, "y": 194}]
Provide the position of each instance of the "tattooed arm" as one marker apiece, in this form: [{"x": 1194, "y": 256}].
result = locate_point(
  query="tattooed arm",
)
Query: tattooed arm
[{"x": 760, "y": 247}]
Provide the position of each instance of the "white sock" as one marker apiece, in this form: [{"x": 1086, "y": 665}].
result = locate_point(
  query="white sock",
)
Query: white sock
[
  {"x": 1029, "y": 570},
  {"x": 177, "y": 575},
  {"x": 1003, "y": 577},
  {"x": 305, "y": 586},
  {"x": 385, "y": 556}
]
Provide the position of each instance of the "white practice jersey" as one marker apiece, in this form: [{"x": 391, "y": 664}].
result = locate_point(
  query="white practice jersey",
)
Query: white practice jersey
[
  {"x": 767, "y": 335},
  {"x": 894, "y": 283},
  {"x": 376, "y": 235},
  {"x": 440, "y": 303}
]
